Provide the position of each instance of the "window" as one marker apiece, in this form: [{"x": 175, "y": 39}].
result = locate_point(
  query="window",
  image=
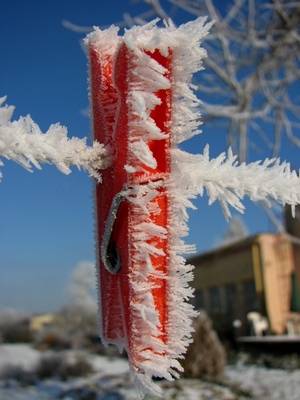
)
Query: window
[
  {"x": 214, "y": 300},
  {"x": 199, "y": 300},
  {"x": 250, "y": 296},
  {"x": 231, "y": 299}
]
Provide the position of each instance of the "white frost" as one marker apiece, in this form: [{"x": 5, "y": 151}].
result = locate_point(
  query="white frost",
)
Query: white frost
[{"x": 23, "y": 142}]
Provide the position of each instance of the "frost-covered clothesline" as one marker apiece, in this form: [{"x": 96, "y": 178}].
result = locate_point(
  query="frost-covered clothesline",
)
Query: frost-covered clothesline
[
  {"x": 222, "y": 177},
  {"x": 229, "y": 182},
  {"x": 23, "y": 142}
]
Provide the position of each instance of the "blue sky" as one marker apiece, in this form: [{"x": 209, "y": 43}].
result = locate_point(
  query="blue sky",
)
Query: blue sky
[{"x": 46, "y": 218}]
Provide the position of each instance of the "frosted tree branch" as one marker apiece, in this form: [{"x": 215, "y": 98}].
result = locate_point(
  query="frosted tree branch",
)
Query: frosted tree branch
[
  {"x": 251, "y": 71},
  {"x": 23, "y": 142},
  {"x": 252, "y": 68}
]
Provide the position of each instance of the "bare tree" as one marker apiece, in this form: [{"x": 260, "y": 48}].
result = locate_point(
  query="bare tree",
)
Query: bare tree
[
  {"x": 251, "y": 71},
  {"x": 236, "y": 230}
]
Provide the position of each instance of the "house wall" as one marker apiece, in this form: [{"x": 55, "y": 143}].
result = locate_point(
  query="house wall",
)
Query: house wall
[
  {"x": 251, "y": 275},
  {"x": 223, "y": 269},
  {"x": 277, "y": 268},
  {"x": 224, "y": 283},
  {"x": 293, "y": 228},
  {"x": 39, "y": 322}
]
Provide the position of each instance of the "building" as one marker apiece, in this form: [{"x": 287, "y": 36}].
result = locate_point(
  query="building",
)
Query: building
[
  {"x": 42, "y": 321},
  {"x": 256, "y": 274}
]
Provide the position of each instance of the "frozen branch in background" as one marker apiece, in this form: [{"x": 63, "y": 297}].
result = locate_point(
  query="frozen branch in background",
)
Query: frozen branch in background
[
  {"x": 23, "y": 142},
  {"x": 252, "y": 69},
  {"x": 251, "y": 72}
]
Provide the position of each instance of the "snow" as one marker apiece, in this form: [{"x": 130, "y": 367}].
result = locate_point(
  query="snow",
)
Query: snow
[
  {"x": 18, "y": 355},
  {"x": 23, "y": 142},
  {"x": 113, "y": 381},
  {"x": 264, "y": 383}
]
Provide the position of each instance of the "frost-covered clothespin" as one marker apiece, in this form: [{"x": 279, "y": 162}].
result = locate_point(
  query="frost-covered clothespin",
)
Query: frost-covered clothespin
[{"x": 142, "y": 107}]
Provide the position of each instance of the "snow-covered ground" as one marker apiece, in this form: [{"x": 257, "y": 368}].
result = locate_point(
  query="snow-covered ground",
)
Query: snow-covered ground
[{"x": 111, "y": 380}]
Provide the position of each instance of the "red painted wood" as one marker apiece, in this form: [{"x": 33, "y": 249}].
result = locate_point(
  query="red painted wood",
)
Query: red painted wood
[{"x": 110, "y": 82}]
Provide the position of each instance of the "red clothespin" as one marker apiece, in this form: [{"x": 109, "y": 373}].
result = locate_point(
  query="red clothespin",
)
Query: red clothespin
[
  {"x": 117, "y": 218},
  {"x": 142, "y": 281}
]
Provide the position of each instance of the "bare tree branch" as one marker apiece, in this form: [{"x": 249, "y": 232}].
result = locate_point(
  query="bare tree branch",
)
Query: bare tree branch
[{"x": 252, "y": 69}]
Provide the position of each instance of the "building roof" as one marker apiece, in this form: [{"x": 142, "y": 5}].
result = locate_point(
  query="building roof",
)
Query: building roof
[{"x": 234, "y": 246}]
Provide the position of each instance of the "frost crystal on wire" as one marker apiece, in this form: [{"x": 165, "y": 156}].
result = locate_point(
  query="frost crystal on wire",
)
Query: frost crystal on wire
[{"x": 23, "y": 142}]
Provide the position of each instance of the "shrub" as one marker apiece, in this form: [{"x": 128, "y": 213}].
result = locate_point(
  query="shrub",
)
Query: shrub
[
  {"x": 14, "y": 326},
  {"x": 15, "y": 333},
  {"x": 13, "y": 373},
  {"x": 206, "y": 357},
  {"x": 53, "y": 339},
  {"x": 63, "y": 366}
]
